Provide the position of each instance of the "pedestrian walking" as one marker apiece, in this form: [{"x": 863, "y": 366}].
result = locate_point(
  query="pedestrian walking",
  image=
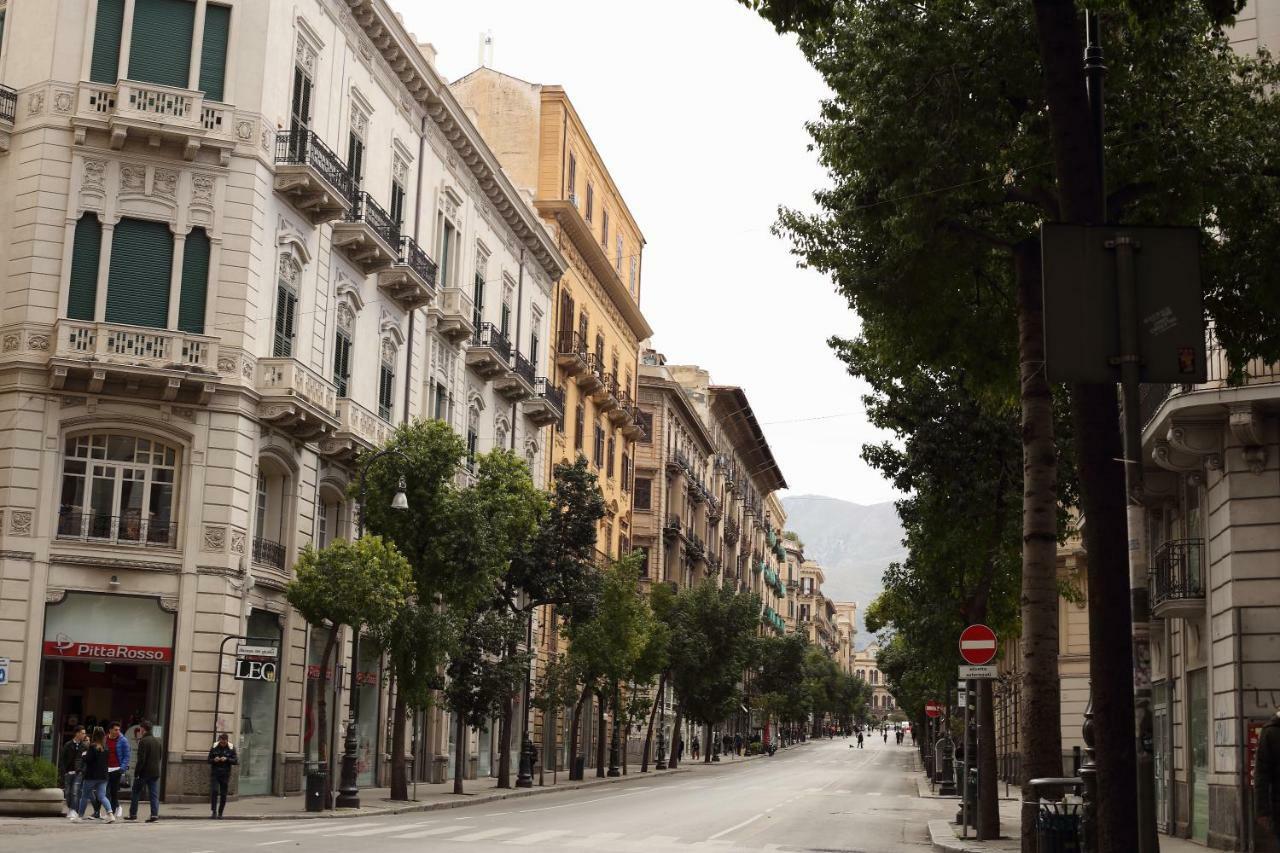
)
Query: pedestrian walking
[
  {"x": 696, "y": 746},
  {"x": 94, "y": 783},
  {"x": 885, "y": 735},
  {"x": 147, "y": 774},
  {"x": 1266, "y": 776},
  {"x": 859, "y": 738},
  {"x": 117, "y": 764},
  {"x": 70, "y": 762},
  {"x": 221, "y": 759},
  {"x": 737, "y": 744},
  {"x": 679, "y": 749}
]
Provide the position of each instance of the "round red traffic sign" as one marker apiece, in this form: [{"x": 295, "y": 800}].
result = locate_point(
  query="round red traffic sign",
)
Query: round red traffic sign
[
  {"x": 933, "y": 709},
  {"x": 977, "y": 644}
]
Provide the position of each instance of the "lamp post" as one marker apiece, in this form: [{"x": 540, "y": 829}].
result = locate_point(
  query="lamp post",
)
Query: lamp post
[
  {"x": 528, "y": 752},
  {"x": 348, "y": 790}
]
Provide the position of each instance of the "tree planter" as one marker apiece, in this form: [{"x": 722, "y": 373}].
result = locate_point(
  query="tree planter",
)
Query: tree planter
[{"x": 40, "y": 802}]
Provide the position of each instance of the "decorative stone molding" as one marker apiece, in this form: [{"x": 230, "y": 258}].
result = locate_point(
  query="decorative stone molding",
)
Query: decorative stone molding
[
  {"x": 1171, "y": 458},
  {"x": 244, "y": 131},
  {"x": 93, "y": 177},
  {"x": 215, "y": 538},
  {"x": 169, "y": 605},
  {"x": 54, "y": 595},
  {"x": 40, "y": 343},
  {"x": 165, "y": 183},
  {"x": 237, "y": 541},
  {"x": 133, "y": 179},
  {"x": 202, "y": 187},
  {"x": 62, "y": 101},
  {"x": 35, "y": 104},
  {"x": 1247, "y": 428},
  {"x": 20, "y": 522},
  {"x": 12, "y": 342},
  {"x": 115, "y": 563},
  {"x": 221, "y": 571}
]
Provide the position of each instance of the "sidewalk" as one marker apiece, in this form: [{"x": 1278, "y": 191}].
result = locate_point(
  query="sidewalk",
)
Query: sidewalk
[{"x": 429, "y": 797}]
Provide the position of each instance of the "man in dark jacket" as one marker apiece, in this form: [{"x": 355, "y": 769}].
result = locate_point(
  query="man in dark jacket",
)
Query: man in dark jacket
[
  {"x": 1266, "y": 776},
  {"x": 69, "y": 763},
  {"x": 221, "y": 759},
  {"x": 147, "y": 772}
]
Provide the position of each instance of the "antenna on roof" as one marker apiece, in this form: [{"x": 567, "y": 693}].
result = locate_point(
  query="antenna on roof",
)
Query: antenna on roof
[{"x": 486, "y": 49}]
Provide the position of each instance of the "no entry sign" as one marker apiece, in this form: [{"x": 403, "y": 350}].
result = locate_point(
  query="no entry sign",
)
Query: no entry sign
[
  {"x": 933, "y": 709},
  {"x": 977, "y": 644}
]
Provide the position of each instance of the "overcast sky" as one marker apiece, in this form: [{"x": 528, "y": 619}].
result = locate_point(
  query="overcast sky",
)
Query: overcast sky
[{"x": 698, "y": 108}]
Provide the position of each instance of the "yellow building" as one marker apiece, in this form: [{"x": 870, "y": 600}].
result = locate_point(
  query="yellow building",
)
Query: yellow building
[{"x": 596, "y": 321}]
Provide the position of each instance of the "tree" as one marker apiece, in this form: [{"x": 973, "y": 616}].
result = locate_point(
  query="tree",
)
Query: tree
[
  {"x": 363, "y": 584},
  {"x": 779, "y": 685},
  {"x": 657, "y": 657},
  {"x": 556, "y": 687}
]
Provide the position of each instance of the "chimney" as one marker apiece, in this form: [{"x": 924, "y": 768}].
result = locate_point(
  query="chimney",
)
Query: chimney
[{"x": 485, "y": 59}]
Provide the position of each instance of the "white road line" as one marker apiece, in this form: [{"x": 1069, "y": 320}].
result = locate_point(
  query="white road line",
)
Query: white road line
[
  {"x": 269, "y": 843},
  {"x": 327, "y": 827},
  {"x": 595, "y": 841},
  {"x": 285, "y": 825},
  {"x": 586, "y": 802},
  {"x": 655, "y": 840},
  {"x": 485, "y": 833},
  {"x": 735, "y": 826},
  {"x": 382, "y": 830},
  {"x": 439, "y": 830},
  {"x": 539, "y": 837},
  {"x": 874, "y": 794}
]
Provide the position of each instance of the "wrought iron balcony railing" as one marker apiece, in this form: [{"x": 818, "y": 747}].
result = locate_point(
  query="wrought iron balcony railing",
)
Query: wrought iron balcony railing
[
  {"x": 542, "y": 387},
  {"x": 127, "y": 529},
  {"x": 523, "y": 367},
  {"x": 412, "y": 256},
  {"x": 301, "y": 147},
  {"x": 365, "y": 209},
  {"x": 1177, "y": 572},
  {"x": 569, "y": 342},
  {"x": 268, "y": 553},
  {"x": 489, "y": 335},
  {"x": 8, "y": 104}
]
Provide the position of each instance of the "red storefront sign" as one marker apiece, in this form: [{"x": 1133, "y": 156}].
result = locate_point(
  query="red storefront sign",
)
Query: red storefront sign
[
  {"x": 78, "y": 650},
  {"x": 1251, "y": 746}
]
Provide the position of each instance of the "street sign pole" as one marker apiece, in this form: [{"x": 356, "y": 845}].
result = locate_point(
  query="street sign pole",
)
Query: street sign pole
[{"x": 964, "y": 775}]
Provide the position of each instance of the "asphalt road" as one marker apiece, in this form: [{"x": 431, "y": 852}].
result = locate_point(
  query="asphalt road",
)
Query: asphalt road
[{"x": 821, "y": 797}]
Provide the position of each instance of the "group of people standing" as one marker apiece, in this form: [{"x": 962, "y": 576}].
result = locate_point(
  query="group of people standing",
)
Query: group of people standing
[{"x": 93, "y": 764}]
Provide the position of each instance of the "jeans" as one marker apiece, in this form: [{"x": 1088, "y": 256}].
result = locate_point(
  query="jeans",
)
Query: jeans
[
  {"x": 71, "y": 789},
  {"x": 113, "y": 785},
  {"x": 218, "y": 793},
  {"x": 96, "y": 788},
  {"x": 153, "y": 793}
]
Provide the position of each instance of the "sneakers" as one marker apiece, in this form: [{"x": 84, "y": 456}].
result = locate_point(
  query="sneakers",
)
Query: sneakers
[
  {"x": 73, "y": 817},
  {"x": 110, "y": 818},
  {"x": 119, "y": 811},
  {"x": 132, "y": 817},
  {"x": 153, "y": 819}
]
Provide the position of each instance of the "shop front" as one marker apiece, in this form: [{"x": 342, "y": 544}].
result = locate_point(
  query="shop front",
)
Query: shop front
[
  {"x": 258, "y": 709},
  {"x": 368, "y": 680},
  {"x": 106, "y": 657}
]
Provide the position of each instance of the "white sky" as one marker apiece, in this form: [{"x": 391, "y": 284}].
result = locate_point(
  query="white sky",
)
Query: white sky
[{"x": 698, "y": 108}]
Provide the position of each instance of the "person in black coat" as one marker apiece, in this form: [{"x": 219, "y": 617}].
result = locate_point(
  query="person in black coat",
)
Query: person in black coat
[
  {"x": 69, "y": 762},
  {"x": 221, "y": 759}
]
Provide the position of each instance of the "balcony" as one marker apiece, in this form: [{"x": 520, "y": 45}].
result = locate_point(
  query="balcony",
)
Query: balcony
[
  {"x": 128, "y": 529},
  {"x": 268, "y": 553},
  {"x": 731, "y": 531},
  {"x": 104, "y": 358},
  {"x": 155, "y": 113},
  {"x": 490, "y": 352},
  {"x": 517, "y": 383},
  {"x": 605, "y": 393},
  {"x": 620, "y": 416},
  {"x": 673, "y": 528},
  {"x": 634, "y": 427},
  {"x": 1177, "y": 580},
  {"x": 591, "y": 380},
  {"x": 358, "y": 430},
  {"x": 453, "y": 313},
  {"x": 410, "y": 281},
  {"x": 296, "y": 399},
  {"x": 367, "y": 235},
  {"x": 571, "y": 352},
  {"x": 311, "y": 176},
  {"x": 546, "y": 406},
  {"x": 8, "y": 112}
]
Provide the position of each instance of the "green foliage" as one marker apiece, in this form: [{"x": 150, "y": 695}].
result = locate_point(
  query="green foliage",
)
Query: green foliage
[
  {"x": 25, "y": 772},
  {"x": 482, "y": 674},
  {"x": 779, "y": 684},
  {"x": 712, "y": 630},
  {"x": 556, "y": 686},
  {"x": 362, "y": 584},
  {"x": 616, "y": 637}
]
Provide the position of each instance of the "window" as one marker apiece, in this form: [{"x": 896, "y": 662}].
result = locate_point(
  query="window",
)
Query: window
[
  {"x": 300, "y": 107},
  {"x": 600, "y": 352},
  {"x": 195, "y": 282},
  {"x": 213, "y": 51},
  {"x": 473, "y": 436},
  {"x": 626, "y": 472},
  {"x": 579, "y": 423},
  {"x": 632, "y": 281},
  {"x": 104, "y": 67},
  {"x": 397, "y": 199},
  {"x": 440, "y": 411},
  {"x": 643, "y": 496},
  {"x": 610, "y": 453},
  {"x": 272, "y": 519},
  {"x": 506, "y": 312},
  {"x": 533, "y": 342},
  {"x": 446, "y": 253},
  {"x": 355, "y": 147},
  {"x": 342, "y": 348},
  {"x": 617, "y": 265},
  {"x": 582, "y": 327},
  {"x": 477, "y": 291},
  {"x": 604, "y": 231},
  {"x": 591, "y": 200},
  {"x": 573, "y": 179},
  {"x": 598, "y": 446},
  {"x": 286, "y": 325},
  {"x": 118, "y": 488},
  {"x": 644, "y": 560},
  {"x": 160, "y": 43},
  {"x": 82, "y": 296},
  {"x": 387, "y": 381},
  {"x": 260, "y": 507},
  {"x": 141, "y": 267},
  {"x": 646, "y": 423}
]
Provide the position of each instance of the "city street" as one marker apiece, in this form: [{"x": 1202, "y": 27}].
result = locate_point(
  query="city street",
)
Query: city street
[{"x": 824, "y": 796}]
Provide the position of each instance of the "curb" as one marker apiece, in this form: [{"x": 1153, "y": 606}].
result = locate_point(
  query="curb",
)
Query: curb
[
  {"x": 944, "y": 839},
  {"x": 442, "y": 805}
]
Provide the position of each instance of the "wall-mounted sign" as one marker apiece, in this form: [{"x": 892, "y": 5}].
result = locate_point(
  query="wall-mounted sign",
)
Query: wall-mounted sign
[
  {"x": 259, "y": 652},
  {"x": 251, "y": 669},
  {"x": 4, "y": 670},
  {"x": 69, "y": 648}
]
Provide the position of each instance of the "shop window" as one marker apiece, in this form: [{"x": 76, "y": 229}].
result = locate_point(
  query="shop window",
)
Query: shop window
[
  {"x": 118, "y": 488},
  {"x": 258, "y": 710}
]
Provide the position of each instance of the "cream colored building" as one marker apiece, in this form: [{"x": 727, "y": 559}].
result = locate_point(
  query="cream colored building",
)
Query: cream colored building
[
  {"x": 846, "y": 626},
  {"x": 242, "y": 241},
  {"x": 815, "y": 613},
  {"x": 865, "y": 667}
]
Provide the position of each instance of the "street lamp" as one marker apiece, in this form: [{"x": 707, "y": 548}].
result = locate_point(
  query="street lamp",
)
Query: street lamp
[
  {"x": 528, "y": 752},
  {"x": 348, "y": 790},
  {"x": 662, "y": 728}
]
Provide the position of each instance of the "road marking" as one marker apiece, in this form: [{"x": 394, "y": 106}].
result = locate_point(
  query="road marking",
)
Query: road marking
[
  {"x": 586, "y": 802},
  {"x": 423, "y": 833},
  {"x": 595, "y": 841},
  {"x": 288, "y": 825},
  {"x": 327, "y": 827},
  {"x": 875, "y": 793},
  {"x": 655, "y": 840},
  {"x": 485, "y": 833},
  {"x": 270, "y": 843},
  {"x": 539, "y": 837},
  {"x": 735, "y": 826},
  {"x": 381, "y": 830}
]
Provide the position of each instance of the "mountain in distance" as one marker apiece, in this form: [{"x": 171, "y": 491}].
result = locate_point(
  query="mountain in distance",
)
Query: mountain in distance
[{"x": 854, "y": 544}]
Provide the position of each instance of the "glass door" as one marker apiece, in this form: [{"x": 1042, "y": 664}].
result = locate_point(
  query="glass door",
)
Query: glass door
[
  {"x": 485, "y": 737},
  {"x": 258, "y": 706},
  {"x": 1161, "y": 748},
  {"x": 1198, "y": 723}
]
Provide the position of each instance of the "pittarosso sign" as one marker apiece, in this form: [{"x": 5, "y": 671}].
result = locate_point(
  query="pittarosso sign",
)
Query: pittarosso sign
[{"x": 107, "y": 651}]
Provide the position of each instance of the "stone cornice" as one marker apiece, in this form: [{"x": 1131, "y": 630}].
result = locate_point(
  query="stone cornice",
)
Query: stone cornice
[
  {"x": 114, "y": 563},
  {"x": 431, "y": 92}
]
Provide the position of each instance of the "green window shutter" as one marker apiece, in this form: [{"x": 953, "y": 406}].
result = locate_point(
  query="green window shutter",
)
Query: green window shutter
[
  {"x": 213, "y": 51},
  {"x": 85, "y": 248},
  {"x": 342, "y": 362},
  {"x": 386, "y": 387},
  {"x": 195, "y": 282},
  {"x": 141, "y": 266},
  {"x": 160, "y": 50},
  {"x": 286, "y": 308},
  {"x": 108, "y": 27}
]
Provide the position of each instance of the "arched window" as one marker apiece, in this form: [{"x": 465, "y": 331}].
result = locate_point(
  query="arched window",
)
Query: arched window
[
  {"x": 271, "y": 512},
  {"x": 387, "y": 380},
  {"x": 118, "y": 488},
  {"x": 332, "y": 516},
  {"x": 286, "y": 317}
]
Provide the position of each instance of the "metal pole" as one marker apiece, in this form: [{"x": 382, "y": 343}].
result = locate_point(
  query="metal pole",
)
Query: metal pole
[
  {"x": 528, "y": 752},
  {"x": 964, "y": 775},
  {"x": 1130, "y": 368}
]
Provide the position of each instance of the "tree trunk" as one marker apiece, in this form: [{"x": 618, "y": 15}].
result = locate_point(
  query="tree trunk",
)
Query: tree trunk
[
  {"x": 706, "y": 743},
  {"x": 601, "y": 734},
  {"x": 1041, "y": 691},
  {"x": 988, "y": 822},
  {"x": 504, "y": 734},
  {"x": 653, "y": 713},
  {"x": 459, "y": 752},
  {"x": 674, "y": 761},
  {"x": 399, "y": 767},
  {"x": 615, "y": 746},
  {"x": 322, "y": 706},
  {"x": 573, "y": 733},
  {"x": 1096, "y": 426}
]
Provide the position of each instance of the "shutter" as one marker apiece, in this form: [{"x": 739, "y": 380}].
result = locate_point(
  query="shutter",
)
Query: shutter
[
  {"x": 82, "y": 297},
  {"x": 397, "y": 203},
  {"x": 286, "y": 304},
  {"x": 386, "y": 383},
  {"x": 2, "y": 27},
  {"x": 533, "y": 351},
  {"x": 213, "y": 51},
  {"x": 301, "y": 108},
  {"x": 355, "y": 158},
  {"x": 477, "y": 297},
  {"x": 141, "y": 267},
  {"x": 195, "y": 282},
  {"x": 342, "y": 363},
  {"x": 160, "y": 50},
  {"x": 105, "y": 65}
]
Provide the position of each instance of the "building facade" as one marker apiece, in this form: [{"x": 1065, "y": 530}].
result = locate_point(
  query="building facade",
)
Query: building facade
[
  {"x": 249, "y": 234},
  {"x": 865, "y": 667},
  {"x": 815, "y": 613},
  {"x": 846, "y": 627}
]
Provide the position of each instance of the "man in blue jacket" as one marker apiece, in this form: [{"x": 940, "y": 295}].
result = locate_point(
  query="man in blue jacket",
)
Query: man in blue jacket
[{"x": 117, "y": 763}]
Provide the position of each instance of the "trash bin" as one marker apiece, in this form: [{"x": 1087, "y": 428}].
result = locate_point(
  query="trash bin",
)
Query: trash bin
[
  {"x": 579, "y": 767},
  {"x": 315, "y": 791},
  {"x": 1058, "y": 827}
]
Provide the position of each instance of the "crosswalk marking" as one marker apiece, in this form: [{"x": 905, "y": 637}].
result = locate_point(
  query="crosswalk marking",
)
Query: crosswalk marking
[
  {"x": 485, "y": 833},
  {"x": 655, "y": 840},
  {"x": 439, "y": 830},
  {"x": 288, "y": 825},
  {"x": 539, "y": 837},
  {"x": 326, "y": 827},
  {"x": 595, "y": 841},
  {"x": 384, "y": 829}
]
